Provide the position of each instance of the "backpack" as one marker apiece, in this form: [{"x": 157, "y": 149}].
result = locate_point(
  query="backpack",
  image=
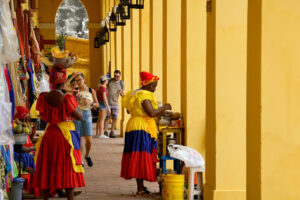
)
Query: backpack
[{"x": 121, "y": 83}]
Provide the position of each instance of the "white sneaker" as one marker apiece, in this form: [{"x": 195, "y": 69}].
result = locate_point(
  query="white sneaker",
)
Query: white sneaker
[{"x": 104, "y": 136}]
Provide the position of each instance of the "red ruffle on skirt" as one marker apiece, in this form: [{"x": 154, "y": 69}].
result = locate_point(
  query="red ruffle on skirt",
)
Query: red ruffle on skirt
[
  {"x": 54, "y": 168},
  {"x": 138, "y": 165}
]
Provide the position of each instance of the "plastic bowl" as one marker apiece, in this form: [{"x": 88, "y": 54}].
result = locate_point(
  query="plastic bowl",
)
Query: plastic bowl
[{"x": 20, "y": 138}]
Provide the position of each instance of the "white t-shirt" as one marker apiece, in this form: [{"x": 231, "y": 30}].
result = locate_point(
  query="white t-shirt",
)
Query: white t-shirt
[{"x": 84, "y": 95}]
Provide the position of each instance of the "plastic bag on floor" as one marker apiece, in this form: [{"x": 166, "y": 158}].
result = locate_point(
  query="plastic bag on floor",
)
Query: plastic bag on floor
[
  {"x": 191, "y": 157},
  {"x": 10, "y": 51}
]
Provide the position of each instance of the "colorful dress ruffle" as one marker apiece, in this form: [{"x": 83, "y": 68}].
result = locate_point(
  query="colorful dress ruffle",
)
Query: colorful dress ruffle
[
  {"x": 58, "y": 157},
  {"x": 140, "y": 149}
]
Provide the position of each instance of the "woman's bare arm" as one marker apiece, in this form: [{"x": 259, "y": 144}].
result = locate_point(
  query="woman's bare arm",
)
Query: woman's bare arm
[
  {"x": 95, "y": 99},
  {"x": 148, "y": 108},
  {"x": 76, "y": 114},
  {"x": 105, "y": 101}
]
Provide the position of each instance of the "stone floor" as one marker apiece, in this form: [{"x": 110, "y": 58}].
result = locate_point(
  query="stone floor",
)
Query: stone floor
[{"x": 103, "y": 179}]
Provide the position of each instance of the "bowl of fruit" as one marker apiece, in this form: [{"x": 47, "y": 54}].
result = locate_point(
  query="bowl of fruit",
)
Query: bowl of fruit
[{"x": 21, "y": 131}]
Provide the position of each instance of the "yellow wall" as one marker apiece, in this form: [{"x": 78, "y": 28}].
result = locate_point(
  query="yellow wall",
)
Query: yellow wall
[
  {"x": 193, "y": 74},
  {"x": 81, "y": 47},
  {"x": 226, "y": 101},
  {"x": 275, "y": 69}
]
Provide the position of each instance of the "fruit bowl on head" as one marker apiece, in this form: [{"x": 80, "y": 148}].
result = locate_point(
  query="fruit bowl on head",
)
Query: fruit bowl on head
[{"x": 20, "y": 138}]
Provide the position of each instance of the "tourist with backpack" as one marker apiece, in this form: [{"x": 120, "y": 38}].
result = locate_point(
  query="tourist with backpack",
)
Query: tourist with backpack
[{"x": 115, "y": 88}]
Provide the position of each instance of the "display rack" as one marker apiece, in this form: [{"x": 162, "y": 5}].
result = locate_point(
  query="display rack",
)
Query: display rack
[{"x": 163, "y": 156}]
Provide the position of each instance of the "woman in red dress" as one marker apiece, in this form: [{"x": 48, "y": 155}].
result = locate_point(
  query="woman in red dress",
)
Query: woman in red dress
[{"x": 58, "y": 157}]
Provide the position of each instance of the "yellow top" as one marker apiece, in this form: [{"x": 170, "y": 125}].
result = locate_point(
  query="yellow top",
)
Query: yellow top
[
  {"x": 133, "y": 99},
  {"x": 139, "y": 120}
]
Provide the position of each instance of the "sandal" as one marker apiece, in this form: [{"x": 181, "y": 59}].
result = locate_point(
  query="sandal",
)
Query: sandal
[
  {"x": 78, "y": 192},
  {"x": 146, "y": 191},
  {"x": 141, "y": 194},
  {"x": 62, "y": 193}
]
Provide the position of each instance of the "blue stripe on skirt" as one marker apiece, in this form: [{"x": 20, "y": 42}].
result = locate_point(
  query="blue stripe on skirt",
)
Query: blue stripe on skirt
[{"x": 139, "y": 140}]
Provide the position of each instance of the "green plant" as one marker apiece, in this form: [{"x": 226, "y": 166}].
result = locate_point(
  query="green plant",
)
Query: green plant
[{"x": 61, "y": 41}]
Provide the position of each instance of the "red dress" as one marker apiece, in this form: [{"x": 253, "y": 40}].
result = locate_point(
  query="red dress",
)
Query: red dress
[{"x": 54, "y": 169}]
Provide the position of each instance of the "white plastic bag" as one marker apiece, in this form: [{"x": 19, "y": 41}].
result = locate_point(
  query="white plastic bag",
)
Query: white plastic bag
[
  {"x": 191, "y": 157},
  {"x": 43, "y": 85},
  {"x": 6, "y": 133},
  {"x": 10, "y": 51}
]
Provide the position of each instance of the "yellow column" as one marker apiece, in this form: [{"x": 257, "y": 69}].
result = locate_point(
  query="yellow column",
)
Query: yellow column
[
  {"x": 47, "y": 18},
  {"x": 135, "y": 48},
  {"x": 95, "y": 59},
  {"x": 119, "y": 48},
  {"x": 193, "y": 72},
  {"x": 119, "y": 65},
  {"x": 145, "y": 37},
  {"x": 254, "y": 101},
  {"x": 113, "y": 51},
  {"x": 173, "y": 63},
  {"x": 273, "y": 138},
  {"x": 226, "y": 101},
  {"x": 157, "y": 50},
  {"x": 126, "y": 67},
  {"x": 104, "y": 47}
]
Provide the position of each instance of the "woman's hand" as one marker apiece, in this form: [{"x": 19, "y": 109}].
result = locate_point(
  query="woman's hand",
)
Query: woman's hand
[
  {"x": 109, "y": 110},
  {"x": 86, "y": 102},
  {"x": 167, "y": 106}
]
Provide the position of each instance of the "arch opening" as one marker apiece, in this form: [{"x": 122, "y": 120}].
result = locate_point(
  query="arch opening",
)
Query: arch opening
[{"x": 72, "y": 19}]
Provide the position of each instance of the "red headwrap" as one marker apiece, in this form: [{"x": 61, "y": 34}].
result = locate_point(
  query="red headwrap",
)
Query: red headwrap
[
  {"x": 147, "y": 78},
  {"x": 57, "y": 76},
  {"x": 21, "y": 112}
]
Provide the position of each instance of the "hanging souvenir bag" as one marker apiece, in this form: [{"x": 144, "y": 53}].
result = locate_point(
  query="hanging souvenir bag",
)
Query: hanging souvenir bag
[{"x": 10, "y": 51}]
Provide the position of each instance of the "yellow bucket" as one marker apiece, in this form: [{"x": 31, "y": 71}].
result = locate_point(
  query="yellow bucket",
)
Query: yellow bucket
[{"x": 173, "y": 187}]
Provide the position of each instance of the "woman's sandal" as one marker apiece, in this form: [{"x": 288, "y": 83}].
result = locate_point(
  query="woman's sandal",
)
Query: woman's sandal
[
  {"x": 146, "y": 191},
  {"x": 62, "y": 193},
  {"x": 141, "y": 194}
]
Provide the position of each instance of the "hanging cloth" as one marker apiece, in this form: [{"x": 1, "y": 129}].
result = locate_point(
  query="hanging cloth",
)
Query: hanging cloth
[
  {"x": 3, "y": 194},
  {"x": 31, "y": 82},
  {"x": 10, "y": 89},
  {"x": 16, "y": 85}
]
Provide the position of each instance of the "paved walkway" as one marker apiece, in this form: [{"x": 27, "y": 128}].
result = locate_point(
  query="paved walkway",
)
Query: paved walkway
[{"x": 103, "y": 179}]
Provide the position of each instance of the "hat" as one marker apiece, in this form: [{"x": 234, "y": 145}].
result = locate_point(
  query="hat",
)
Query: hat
[
  {"x": 103, "y": 78},
  {"x": 57, "y": 76},
  {"x": 21, "y": 112},
  {"x": 147, "y": 78}
]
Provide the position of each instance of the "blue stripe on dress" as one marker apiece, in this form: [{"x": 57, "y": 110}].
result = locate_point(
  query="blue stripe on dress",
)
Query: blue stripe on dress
[
  {"x": 76, "y": 139},
  {"x": 139, "y": 140}
]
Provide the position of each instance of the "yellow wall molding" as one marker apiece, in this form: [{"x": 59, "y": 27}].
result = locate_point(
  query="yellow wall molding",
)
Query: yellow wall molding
[
  {"x": 94, "y": 25},
  {"x": 46, "y": 25},
  {"x": 81, "y": 40},
  {"x": 221, "y": 194},
  {"x": 229, "y": 195}
]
